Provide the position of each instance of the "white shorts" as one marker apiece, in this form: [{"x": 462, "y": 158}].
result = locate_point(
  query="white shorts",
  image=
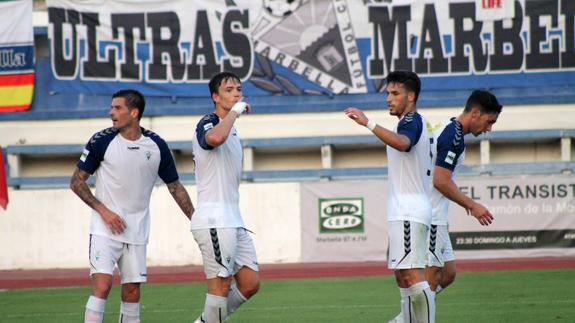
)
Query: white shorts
[
  {"x": 106, "y": 253},
  {"x": 225, "y": 251},
  {"x": 439, "y": 246},
  {"x": 407, "y": 244}
]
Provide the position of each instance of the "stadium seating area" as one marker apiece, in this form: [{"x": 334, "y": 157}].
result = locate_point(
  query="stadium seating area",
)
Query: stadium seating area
[{"x": 493, "y": 159}]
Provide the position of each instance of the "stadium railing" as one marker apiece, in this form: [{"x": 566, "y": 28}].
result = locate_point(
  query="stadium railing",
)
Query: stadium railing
[{"x": 326, "y": 145}]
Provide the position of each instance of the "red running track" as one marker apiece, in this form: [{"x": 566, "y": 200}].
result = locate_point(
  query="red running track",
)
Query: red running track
[{"x": 10, "y": 279}]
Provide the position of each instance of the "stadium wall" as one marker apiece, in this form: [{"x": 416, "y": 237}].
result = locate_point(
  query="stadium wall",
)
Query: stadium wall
[
  {"x": 49, "y": 228},
  {"x": 293, "y": 222}
]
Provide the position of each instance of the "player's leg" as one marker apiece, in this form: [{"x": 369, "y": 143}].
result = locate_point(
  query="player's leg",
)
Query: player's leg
[
  {"x": 103, "y": 257},
  {"x": 435, "y": 261},
  {"x": 448, "y": 270},
  {"x": 133, "y": 272},
  {"x": 218, "y": 249},
  {"x": 433, "y": 269},
  {"x": 96, "y": 305},
  {"x": 408, "y": 245},
  {"x": 246, "y": 272}
]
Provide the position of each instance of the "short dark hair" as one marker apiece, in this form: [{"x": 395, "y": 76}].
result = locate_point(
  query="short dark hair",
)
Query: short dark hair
[
  {"x": 134, "y": 99},
  {"x": 409, "y": 79},
  {"x": 484, "y": 101},
  {"x": 217, "y": 80}
]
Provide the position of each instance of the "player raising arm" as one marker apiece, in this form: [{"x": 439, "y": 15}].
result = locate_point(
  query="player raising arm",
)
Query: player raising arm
[
  {"x": 409, "y": 181},
  {"x": 228, "y": 252}
]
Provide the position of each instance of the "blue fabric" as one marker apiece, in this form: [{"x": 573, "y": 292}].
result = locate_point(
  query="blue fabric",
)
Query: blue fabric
[
  {"x": 167, "y": 169},
  {"x": 208, "y": 122},
  {"x": 96, "y": 148},
  {"x": 411, "y": 126},
  {"x": 450, "y": 145}
]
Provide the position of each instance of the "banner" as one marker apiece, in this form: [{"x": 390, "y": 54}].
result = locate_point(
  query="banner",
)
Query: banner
[
  {"x": 343, "y": 221},
  {"x": 534, "y": 217},
  {"x": 301, "y": 47},
  {"x": 16, "y": 55},
  {"x": 531, "y": 213}
]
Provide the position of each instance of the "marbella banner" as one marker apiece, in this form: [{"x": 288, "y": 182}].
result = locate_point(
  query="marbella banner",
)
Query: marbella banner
[
  {"x": 534, "y": 216},
  {"x": 300, "y": 47},
  {"x": 16, "y": 55}
]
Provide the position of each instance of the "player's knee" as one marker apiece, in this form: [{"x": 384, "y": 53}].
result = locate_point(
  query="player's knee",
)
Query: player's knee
[
  {"x": 101, "y": 289},
  {"x": 248, "y": 288},
  {"x": 131, "y": 293},
  {"x": 252, "y": 289},
  {"x": 448, "y": 278}
]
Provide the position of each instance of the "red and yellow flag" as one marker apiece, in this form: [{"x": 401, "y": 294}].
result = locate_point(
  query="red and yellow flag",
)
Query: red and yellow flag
[{"x": 16, "y": 55}]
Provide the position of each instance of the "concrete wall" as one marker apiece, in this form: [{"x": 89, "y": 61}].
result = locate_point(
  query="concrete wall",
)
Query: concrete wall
[{"x": 49, "y": 228}]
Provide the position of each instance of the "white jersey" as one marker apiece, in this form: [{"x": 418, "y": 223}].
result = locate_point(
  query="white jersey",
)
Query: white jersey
[
  {"x": 448, "y": 149},
  {"x": 125, "y": 175},
  {"x": 409, "y": 173},
  {"x": 218, "y": 173}
]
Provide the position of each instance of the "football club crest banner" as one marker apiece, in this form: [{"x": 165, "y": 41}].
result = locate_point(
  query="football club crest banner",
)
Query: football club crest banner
[
  {"x": 16, "y": 55},
  {"x": 300, "y": 47}
]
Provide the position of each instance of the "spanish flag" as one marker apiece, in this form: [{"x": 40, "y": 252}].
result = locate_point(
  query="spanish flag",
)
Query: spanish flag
[{"x": 16, "y": 55}]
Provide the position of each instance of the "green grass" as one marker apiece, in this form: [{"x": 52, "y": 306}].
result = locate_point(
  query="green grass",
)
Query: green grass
[{"x": 508, "y": 296}]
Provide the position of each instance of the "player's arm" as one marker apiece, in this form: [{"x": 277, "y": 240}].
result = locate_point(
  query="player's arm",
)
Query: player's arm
[
  {"x": 218, "y": 134},
  {"x": 79, "y": 186},
  {"x": 443, "y": 182},
  {"x": 397, "y": 141},
  {"x": 181, "y": 197}
]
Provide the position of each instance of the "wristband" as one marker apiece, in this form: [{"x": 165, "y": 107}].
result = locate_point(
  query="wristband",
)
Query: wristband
[
  {"x": 370, "y": 125},
  {"x": 239, "y": 107}
]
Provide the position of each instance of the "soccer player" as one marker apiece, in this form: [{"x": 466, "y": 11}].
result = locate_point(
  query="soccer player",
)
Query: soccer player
[
  {"x": 127, "y": 159},
  {"x": 480, "y": 114},
  {"x": 218, "y": 228},
  {"x": 409, "y": 181}
]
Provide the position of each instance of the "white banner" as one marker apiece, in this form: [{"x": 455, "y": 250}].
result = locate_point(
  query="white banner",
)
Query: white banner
[{"x": 534, "y": 216}]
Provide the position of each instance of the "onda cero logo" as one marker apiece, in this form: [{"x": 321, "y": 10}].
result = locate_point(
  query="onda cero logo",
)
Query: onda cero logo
[{"x": 341, "y": 215}]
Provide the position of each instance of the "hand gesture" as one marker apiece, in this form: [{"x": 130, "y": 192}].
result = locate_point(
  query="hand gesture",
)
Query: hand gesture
[
  {"x": 241, "y": 107},
  {"x": 356, "y": 115},
  {"x": 481, "y": 213}
]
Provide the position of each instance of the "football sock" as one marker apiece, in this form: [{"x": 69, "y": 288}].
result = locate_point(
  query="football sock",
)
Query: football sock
[
  {"x": 406, "y": 314},
  {"x": 94, "y": 310},
  {"x": 422, "y": 302},
  {"x": 215, "y": 309},
  {"x": 129, "y": 313},
  {"x": 235, "y": 299}
]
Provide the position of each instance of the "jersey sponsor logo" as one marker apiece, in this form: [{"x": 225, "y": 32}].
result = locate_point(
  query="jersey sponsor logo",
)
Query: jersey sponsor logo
[
  {"x": 344, "y": 215},
  {"x": 84, "y": 155},
  {"x": 450, "y": 158},
  {"x": 133, "y": 148}
]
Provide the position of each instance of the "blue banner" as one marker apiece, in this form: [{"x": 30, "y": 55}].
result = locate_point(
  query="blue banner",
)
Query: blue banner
[{"x": 308, "y": 47}]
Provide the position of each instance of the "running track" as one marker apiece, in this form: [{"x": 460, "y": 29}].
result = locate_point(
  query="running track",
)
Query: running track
[{"x": 10, "y": 279}]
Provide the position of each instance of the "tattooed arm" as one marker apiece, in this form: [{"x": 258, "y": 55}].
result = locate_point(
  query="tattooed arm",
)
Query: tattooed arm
[
  {"x": 181, "y": 197},
  {"x": 79, "y": 186}
]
